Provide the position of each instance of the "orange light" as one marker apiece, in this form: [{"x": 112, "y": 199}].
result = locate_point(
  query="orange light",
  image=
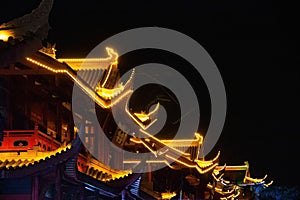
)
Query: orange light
[
  {"x": 198, "y": 168},
  {"x": 92, "y": 63},
  {"x": 100, "y": 167},
  {"x": 139, "y": 118},
  {"x": 5, "y": 34},
  {"x": 255, "y": 180},
  {"x": 107, "y": 76},
  {"x": 30, "y": 156},
  {"x": 168, "y": 195},
  {"x": 144, "y": 116},
  {"x": 104, "y": 93},
  {"x": 170, "y": 143}
]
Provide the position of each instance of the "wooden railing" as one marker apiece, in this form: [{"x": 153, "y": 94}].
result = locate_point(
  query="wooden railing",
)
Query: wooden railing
[{"x": 23, "y": 140}]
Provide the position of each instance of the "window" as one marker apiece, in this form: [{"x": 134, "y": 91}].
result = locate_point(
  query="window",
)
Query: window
[{"x": 21, "y": 143}]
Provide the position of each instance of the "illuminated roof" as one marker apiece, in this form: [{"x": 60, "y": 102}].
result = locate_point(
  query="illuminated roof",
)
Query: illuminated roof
[
  {"x": 235, "y": 173},
  {"x": 234, "y": 167},
  {"x": 228, "y": 194},
  {"x": 15, "y": 160},
  {"x": 255, "y": 180},
  {"x": 202, "y": 166},
  {"x": 172, "y": 154},
  {"x": 18, "y": 164},
  {"x": 185, "y": 142},
  {"x": 102, "y": 172},
  {"x": 99, "y": 94},
  {"x": 143, "y": 119},
  {"x": 230, "y": 179},
  {"x": 92, "y": 63}
]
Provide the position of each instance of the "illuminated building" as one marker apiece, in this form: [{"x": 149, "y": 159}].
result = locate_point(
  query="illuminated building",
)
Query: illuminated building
[
  {"x": 42, "y": 157},
  {"x": 40, "y": 147},
  {"x": 234, "y": 182}
]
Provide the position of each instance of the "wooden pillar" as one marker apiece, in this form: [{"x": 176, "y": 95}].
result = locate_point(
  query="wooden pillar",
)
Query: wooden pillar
[
  {"x": 71, "y": 127},
  {"x": 35, "y": 188},
  {"x": 9, "y": 103},
  {"x": 149, "y": 173},
  {"x": 26, "y": 107},
  {"x": 46, "y": 115},
  {"x": 58, "y": 184},
  {"x": 58, "y": 119},
  {"x": 200, "y": 189},
  {"x": 36, "y": 135}
]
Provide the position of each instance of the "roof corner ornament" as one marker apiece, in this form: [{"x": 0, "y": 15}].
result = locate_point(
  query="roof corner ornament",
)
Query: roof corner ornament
[
  {"x": 34, "y": 24},
  {"x": 49, "y": 50}
]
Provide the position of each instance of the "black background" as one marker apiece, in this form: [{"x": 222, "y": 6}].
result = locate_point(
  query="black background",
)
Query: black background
[{"x": 253, "y": 43}]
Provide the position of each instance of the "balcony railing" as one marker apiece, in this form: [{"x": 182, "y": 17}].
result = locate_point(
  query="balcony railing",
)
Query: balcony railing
[{"x": 23, "y": 140}]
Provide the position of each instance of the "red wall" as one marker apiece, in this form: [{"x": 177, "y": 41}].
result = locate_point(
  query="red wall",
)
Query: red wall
[{"x": 32, "y": 137}]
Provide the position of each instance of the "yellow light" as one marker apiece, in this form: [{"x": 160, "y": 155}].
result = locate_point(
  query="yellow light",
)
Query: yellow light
[
  {"x": 233, "y": 168},
  {"x": 106, "y": 93},
  {"x": 109, "y": 93},
  {"x": 92, "y": 63},
  {"x": 140, "y": 141},
  {"x": 168, "y": 195},
  {"x": 5, "y": 34},
  {"x": 200, "y": 170},
  {"x": 255, "y": 180},
  {"x": 138, "y": 118},
  {"x": 107, "y": 75},
  {"x": 197, "y": 140},
  {"x": 220, "y": 190},
  {"x": 30, "y": 157},
  {"x": 268, "y": 184},
  {"x": 201, "y": 166},
  {"x": 144, "y": 116},
  {"x": 170, "y": 143},
  {"x": 114, "y": 55},
  {"x": 100, "y": 167},
  {"x": 3, "y": 37},
  {"x": 214, "y": 176}
]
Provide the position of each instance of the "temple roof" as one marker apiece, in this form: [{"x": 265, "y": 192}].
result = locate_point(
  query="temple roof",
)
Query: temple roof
[
  {"x": 102, "y": 172},
  {"x": 108, "y": 181},
  {"x": 229, "y": 181},
  {"x": 168, "y": 152},
  {"x": 12, "y": 161},
  {"x": 87, "y": 79},
  {"x": 92, "y": 63},
  {"x": 24, "y": 159},
  {"x": 19, "y": 164}
]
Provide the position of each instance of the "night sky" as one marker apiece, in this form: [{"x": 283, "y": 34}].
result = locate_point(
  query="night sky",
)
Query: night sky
[{"x": 253, "y": 43}]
